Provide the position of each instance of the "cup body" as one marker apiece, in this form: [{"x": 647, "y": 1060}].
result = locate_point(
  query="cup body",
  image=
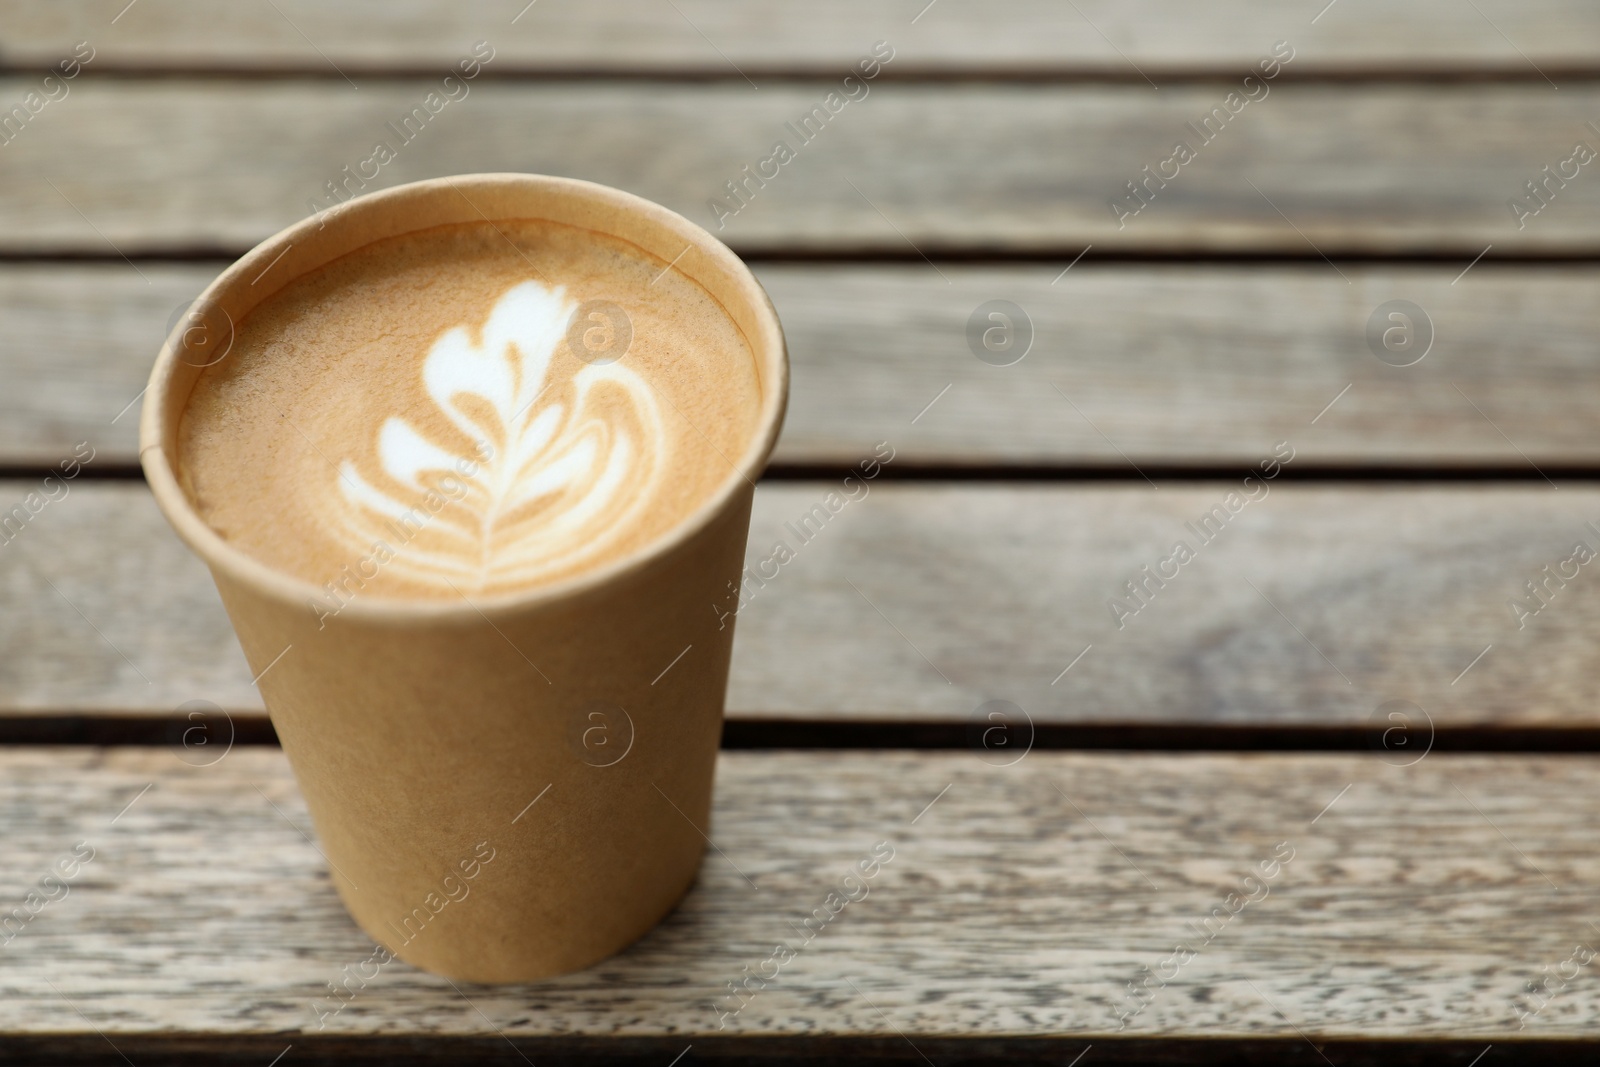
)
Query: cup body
[{"x": 512, "y": 786}]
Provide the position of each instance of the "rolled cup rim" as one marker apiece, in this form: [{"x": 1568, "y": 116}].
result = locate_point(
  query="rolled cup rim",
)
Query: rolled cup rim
[{"x": 161, "y": 411}]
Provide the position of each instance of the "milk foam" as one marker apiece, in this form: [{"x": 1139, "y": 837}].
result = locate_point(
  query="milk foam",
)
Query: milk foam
[
  {"x": 555, "y": 477},
  {"x": 426, "y": 417}
]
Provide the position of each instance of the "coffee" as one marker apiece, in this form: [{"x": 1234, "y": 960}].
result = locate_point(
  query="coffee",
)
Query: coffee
[
  {"x": 415, "y": 402},
  {"x": 471, "y": 408}
]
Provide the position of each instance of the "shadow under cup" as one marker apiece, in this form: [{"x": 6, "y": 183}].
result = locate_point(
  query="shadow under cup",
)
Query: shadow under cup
[{"x": 475, "y": 822}]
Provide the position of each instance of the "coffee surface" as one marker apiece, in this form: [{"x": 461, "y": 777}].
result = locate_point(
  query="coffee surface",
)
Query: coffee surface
[{"x": 473, "y": 408}]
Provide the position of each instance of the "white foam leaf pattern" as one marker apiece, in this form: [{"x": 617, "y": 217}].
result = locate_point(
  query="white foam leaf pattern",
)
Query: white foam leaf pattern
[{"x": 556, "y": 470}]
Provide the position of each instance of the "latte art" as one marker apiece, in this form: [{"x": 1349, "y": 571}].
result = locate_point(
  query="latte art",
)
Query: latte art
[
  {"x": 468, "y": 409},
  {"x": 554, "y": 471}
]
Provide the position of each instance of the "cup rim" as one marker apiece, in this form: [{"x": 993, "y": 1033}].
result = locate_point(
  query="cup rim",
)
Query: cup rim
[{"x": 768, "y": 349}]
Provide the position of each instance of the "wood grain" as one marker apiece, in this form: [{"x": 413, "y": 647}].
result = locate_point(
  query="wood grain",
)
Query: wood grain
[
  {"x": 913, "y": 169},
  {"x": 1174, "y": 366},
  {"x": 1021, "y": 903},
  {"x": 1157, "y": 37},
  {"x": 1312, "y": 606}
]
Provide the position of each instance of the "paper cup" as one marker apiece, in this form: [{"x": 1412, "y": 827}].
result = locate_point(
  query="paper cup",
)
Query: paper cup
[{"x": 520, "y": 785}]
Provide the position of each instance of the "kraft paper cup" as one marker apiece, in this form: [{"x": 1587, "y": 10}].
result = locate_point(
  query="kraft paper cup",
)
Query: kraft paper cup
[{"x": 507, "y": 788}]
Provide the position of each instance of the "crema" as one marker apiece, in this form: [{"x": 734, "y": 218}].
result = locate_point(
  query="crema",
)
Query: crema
[{"x": 469, "y": 409}]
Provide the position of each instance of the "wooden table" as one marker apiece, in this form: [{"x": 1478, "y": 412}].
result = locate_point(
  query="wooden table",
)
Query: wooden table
[{"x": 1329, "y": 755}]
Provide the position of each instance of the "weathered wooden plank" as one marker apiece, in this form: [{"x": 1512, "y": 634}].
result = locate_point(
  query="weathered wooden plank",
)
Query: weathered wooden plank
[
  {"x": 1174, "y": 365},
  {"x": 1156, "y": 37},
  {"x": 1312, "y": 605},
  {"x": 217, "y": 164},
  {"x": 1190, "y": 365},
  {"x": 1023, "y": 902}
]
